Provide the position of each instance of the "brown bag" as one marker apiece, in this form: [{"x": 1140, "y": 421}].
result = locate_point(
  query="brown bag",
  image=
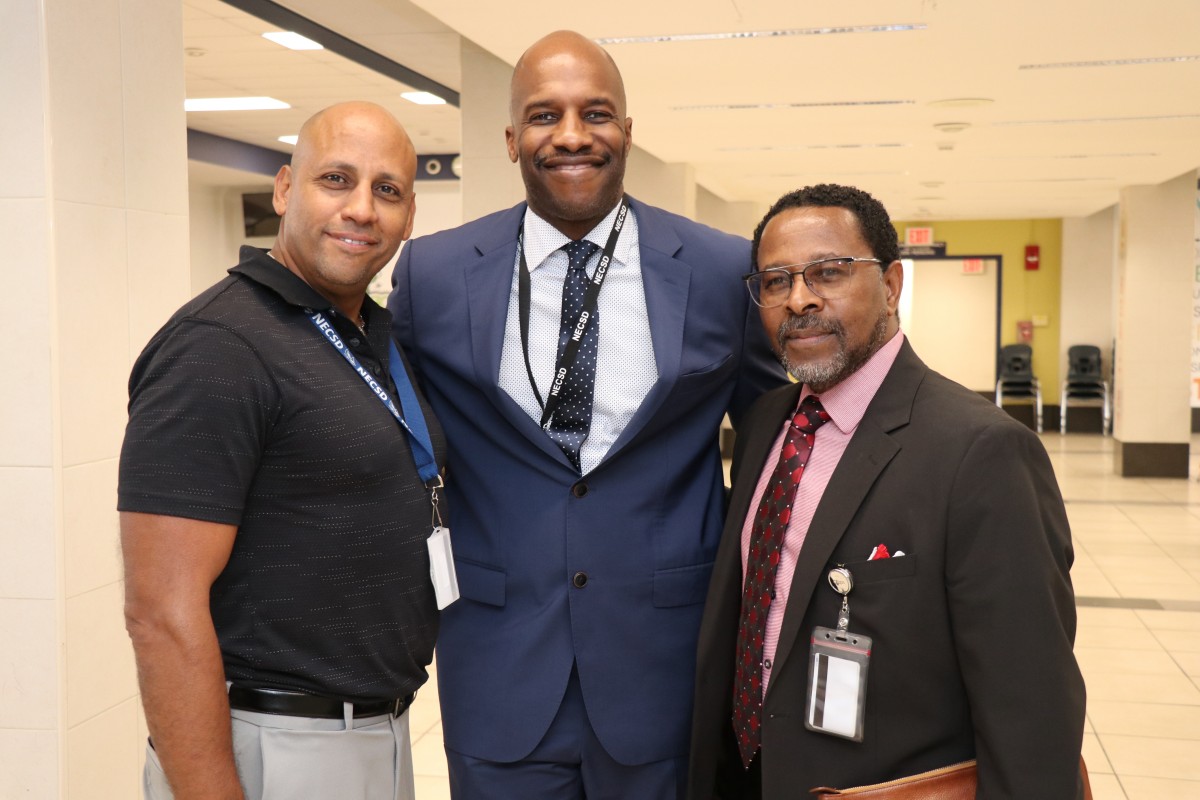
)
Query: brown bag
[{"x": 955, "y": 782}]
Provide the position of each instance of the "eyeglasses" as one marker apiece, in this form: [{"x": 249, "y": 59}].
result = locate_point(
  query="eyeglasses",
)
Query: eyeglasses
[{"x": 828, "y": 278}]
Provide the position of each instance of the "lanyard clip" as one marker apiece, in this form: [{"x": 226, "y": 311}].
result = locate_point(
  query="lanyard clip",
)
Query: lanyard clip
[{"x": 433, "y": 484}]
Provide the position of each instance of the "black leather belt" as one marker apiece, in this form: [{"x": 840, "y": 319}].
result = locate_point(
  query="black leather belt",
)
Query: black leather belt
[{"x": 297, "y": 704}]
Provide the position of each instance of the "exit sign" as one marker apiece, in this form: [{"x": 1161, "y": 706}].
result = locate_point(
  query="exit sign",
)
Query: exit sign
[{"x": 918, "y": 236}]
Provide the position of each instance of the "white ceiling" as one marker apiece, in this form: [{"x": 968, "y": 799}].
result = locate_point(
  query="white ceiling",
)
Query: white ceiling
[{"x": 1052, "y": 142}]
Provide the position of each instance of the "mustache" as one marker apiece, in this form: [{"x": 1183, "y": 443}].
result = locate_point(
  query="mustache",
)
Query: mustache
[
  {"x": 807, "y": 322},
  {"x": 540, "y": 158}
]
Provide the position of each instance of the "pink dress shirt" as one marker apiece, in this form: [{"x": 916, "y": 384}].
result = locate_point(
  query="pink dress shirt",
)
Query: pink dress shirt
[{"x": 846, "y": 403}]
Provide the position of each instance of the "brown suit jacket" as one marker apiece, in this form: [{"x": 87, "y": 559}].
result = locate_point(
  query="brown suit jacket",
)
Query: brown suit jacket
[{"x": 973, "y": 628}]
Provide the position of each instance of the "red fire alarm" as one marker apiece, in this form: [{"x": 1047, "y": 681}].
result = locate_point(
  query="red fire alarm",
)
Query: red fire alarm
[{"x": 1033, "y": 257}]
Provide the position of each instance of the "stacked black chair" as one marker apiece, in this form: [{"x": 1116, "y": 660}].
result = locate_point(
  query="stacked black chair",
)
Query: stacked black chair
[
  {"x": 1085, "y": 382},
  {"x": 1017, "y": 379}
]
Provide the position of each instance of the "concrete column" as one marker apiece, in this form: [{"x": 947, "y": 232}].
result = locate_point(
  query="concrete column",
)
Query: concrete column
[
  {"x": 1089, "y": 256},
  {"x": 669, "y": 186},
  {"x": 93, "y": 211},
  {"x": 490, "y": 182},
  {"x": 1154, "y": 328},
  {"x": 737, "y": 217}
]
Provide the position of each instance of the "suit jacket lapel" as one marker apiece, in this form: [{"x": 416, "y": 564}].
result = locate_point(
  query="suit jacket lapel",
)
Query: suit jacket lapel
[
  {"x": 666, "y": 281},
  {"x": 869, "y": 452},
  {"x": 488, "y": 280}
]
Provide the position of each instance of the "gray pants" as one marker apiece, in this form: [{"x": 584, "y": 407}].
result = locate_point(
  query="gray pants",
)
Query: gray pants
[{"x": 284, "y": 758}]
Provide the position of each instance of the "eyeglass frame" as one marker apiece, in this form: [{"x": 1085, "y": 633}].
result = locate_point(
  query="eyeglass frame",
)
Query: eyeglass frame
[{"x": 802, "y": 272}]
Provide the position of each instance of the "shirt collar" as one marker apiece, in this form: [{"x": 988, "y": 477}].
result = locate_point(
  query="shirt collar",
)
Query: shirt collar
[
  {"x": 847, "y": 402},
  {"x": 258, "y": 266},
  {"x": 541, "y": 239}
]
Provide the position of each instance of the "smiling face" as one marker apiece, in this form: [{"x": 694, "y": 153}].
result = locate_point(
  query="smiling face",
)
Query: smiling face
[
  {"x": 346, "y": 200},
  {"x": 822, "y": 342},
  {"x": 569, "y": 131}
]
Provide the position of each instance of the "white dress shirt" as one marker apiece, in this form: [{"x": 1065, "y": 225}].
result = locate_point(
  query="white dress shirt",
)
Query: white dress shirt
[{"x": 625, "y": 366}]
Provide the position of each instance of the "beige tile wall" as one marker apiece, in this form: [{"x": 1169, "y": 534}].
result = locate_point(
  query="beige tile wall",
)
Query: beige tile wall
[{"x": 93, "y": 208}]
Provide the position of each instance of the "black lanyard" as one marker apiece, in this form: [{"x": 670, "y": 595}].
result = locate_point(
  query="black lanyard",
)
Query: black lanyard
[{"x": 566, "y": 361}]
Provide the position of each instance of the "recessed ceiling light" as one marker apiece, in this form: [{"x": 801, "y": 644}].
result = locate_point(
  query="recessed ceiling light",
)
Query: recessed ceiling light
[
  {"x": 962, "y": 102},
  {"x": 289, "y": 139},
  {"x": 423, "y": 98},
  {"x": 951, "y": 127},
  {"x": 771, "y": 106},
  {"x": 233, "y": 104},
  {"x": 702, "y": 37},
  {"x": 1112, "y": 62},
  {"x": 293, "y": 41}
]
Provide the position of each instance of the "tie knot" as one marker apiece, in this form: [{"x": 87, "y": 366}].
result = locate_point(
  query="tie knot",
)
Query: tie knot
[
  {"x": 811, "y": 415},
  {"x": 579, "y": 252}
]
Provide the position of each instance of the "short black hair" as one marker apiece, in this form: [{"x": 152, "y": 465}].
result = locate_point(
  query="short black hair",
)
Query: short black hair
[{"x": 873, "y": 219}]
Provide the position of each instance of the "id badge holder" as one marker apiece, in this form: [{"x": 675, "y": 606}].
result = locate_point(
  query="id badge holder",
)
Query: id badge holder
[
  {"x": 837, "y": 683},
  {"x": 837, "y": 671},
  {"x": 441, "y": 560}
]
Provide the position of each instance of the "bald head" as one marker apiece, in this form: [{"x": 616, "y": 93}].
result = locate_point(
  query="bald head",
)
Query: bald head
[
  {"x": 558, "y": 48},
  {"x": 352, "y": 119}
]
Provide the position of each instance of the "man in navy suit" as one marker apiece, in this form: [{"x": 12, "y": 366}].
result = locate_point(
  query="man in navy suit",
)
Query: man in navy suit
[{"x": 580, "y": 350}]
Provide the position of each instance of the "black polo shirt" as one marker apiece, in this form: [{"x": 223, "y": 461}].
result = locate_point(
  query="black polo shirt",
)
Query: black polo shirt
[{"x": 241, "y": 412}]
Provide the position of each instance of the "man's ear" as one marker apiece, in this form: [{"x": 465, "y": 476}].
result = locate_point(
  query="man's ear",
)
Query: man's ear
[
  {"x": 510, "y": 140},
  {"x": 893, "y": 279},
  {"x": 412, "y": 215},
  {"x": 283, "y": 183}
]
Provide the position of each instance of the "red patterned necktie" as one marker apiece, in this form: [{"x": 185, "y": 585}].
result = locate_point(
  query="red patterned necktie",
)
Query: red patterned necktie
[{"x": 766, "y": 540}]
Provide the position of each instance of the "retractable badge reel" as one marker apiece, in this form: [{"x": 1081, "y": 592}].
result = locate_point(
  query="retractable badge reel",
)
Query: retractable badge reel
[{"x": 837, "y": 671}]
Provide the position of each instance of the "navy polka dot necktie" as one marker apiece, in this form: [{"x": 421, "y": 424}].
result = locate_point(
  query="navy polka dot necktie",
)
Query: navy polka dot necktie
[
  {"x": 573, "y": 417},
  {"x": 766, "y": 542}
]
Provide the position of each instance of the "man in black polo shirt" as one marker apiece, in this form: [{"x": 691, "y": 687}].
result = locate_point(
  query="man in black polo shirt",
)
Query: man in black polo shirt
[{"x": 274, "y": 508}]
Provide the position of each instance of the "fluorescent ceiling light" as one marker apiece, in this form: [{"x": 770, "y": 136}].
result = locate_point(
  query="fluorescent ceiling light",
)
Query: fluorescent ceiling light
[
  {"x": 1112, "y": 62},
  {"x": 1159, "y": 118},
  {"x": 233, "y": 104},
  {"x": 289, "y": 139},
  {"x": 423, "y": 98},
  {"x": 776, "y": 106},
  {"x": 777, "y": 148},
  {"x": 293, "y": 41},
  {"x": 1075, "y": 156},
  {"x": 703, "y": 37}
]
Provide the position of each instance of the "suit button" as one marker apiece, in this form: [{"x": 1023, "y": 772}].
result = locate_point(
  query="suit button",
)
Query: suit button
[
  {"x": 580, "y": 489},
  {"x": 580, "y": 580}
]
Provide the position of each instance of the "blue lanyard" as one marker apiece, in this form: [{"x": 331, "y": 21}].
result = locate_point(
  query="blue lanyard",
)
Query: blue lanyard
[{"x": 412, "y": 420}]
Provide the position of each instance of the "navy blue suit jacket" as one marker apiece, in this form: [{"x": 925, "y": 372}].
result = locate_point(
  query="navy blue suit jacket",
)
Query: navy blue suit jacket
[{"x": 643, "y": 526}]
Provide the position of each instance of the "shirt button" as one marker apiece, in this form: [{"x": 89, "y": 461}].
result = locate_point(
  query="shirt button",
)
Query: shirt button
[
  {"x": 355, "y": 342},
  {"x": 580, "y": 580},
  {"x": 375, "y": 370},
  {"x": 580, "y": 490},
  {"x": 766, "y": 663}
]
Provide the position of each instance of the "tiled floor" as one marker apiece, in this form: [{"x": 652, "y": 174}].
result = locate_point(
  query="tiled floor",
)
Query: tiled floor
[{"x": 1137, "y": 585}]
